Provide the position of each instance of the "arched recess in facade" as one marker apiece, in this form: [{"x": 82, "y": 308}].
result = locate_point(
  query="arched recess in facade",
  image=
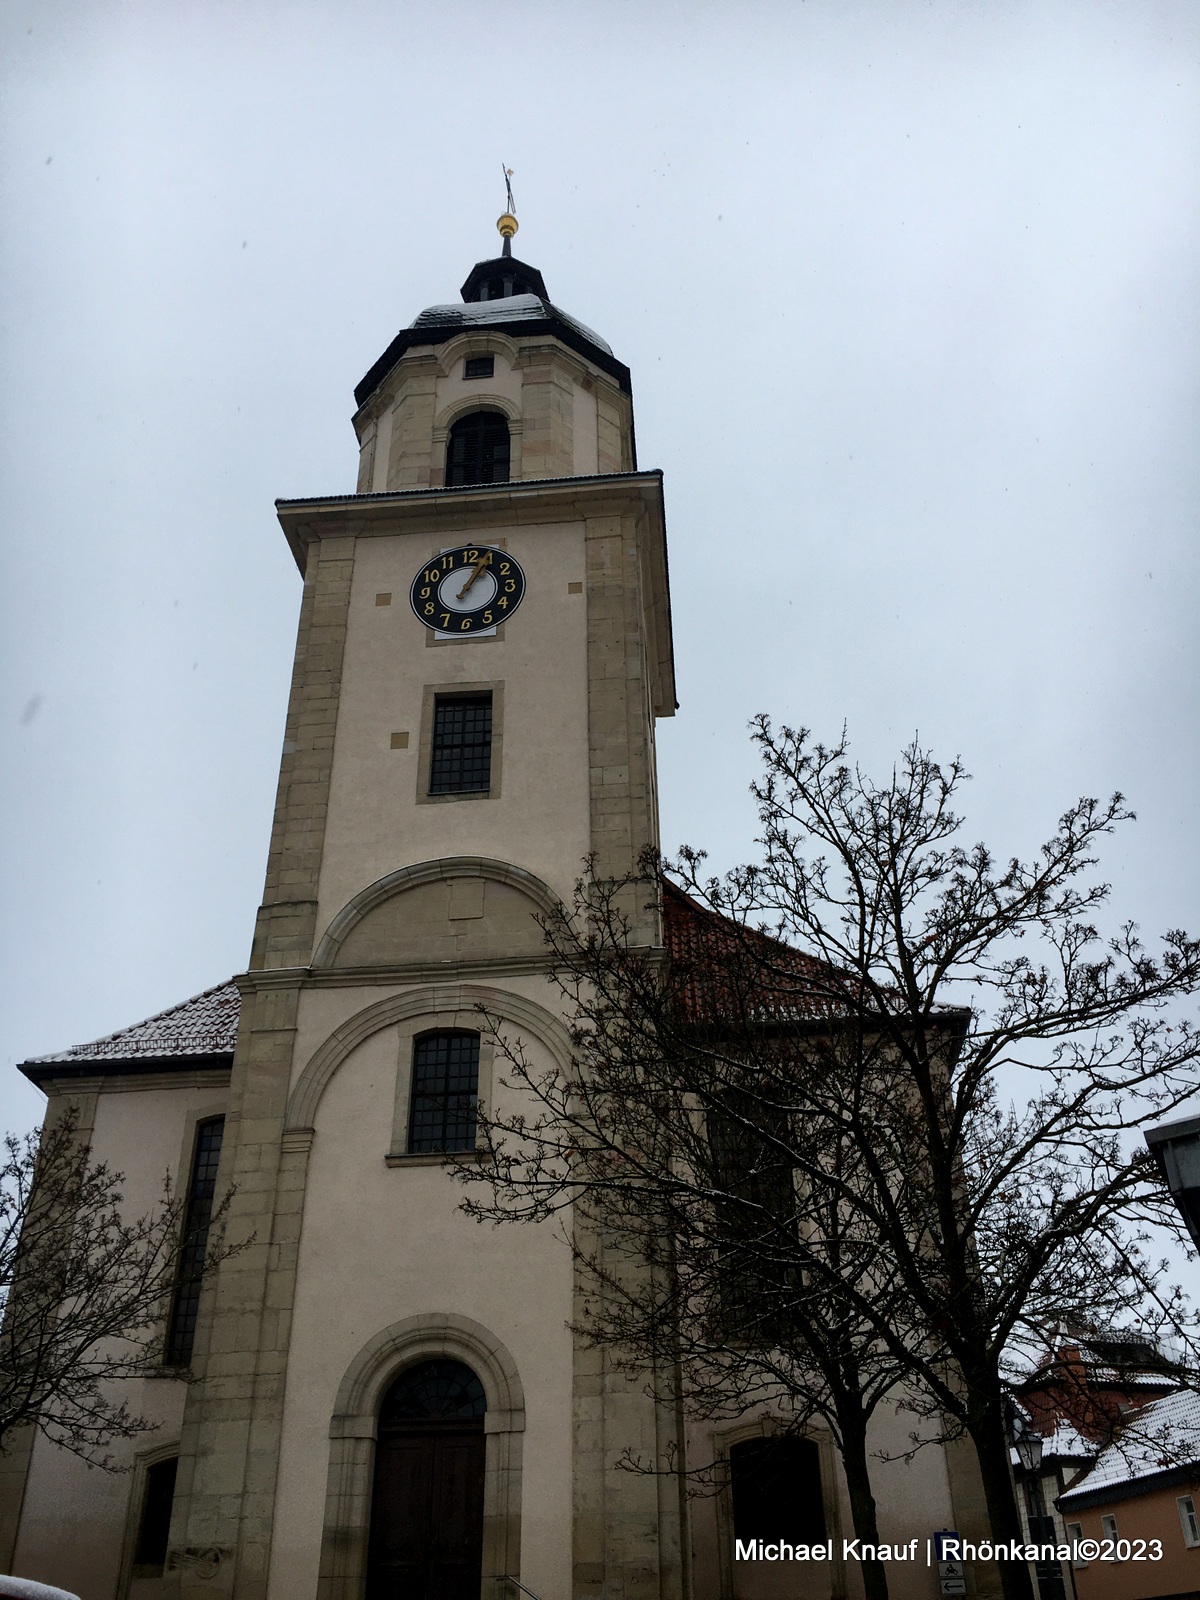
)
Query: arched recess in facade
[
  {"x": 428, "y": 999},
  {"x": 356, "y": 910},
  {"x": 352, "y": 1433}
]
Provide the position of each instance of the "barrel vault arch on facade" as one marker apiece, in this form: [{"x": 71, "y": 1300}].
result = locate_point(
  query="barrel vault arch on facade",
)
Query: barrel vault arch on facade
[
  {"x": 424, "y": 1000},
  {"x": 404, "y": 878},
  {"x": 353, "y": 1429}
]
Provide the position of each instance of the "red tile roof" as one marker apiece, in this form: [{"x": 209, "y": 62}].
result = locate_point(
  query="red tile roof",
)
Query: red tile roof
[
  {"x": 722, "y": 968},
  {"x": 205, "y": 1025}
]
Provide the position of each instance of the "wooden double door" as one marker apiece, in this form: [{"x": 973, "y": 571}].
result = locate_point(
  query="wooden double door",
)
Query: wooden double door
[{"x": 426, "y": 1540}]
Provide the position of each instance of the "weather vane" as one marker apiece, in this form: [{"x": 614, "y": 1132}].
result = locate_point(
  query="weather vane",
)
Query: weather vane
[{"x": 507, "y": 224}]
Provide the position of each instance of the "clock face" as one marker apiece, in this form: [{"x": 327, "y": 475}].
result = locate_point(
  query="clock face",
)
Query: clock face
[{"x": 469, "y": 589}]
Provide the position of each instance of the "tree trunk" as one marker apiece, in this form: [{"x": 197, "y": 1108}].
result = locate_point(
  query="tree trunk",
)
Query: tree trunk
[
  {"x": 853, "y": 1427},
  {"x": 990, "y": 1439}
]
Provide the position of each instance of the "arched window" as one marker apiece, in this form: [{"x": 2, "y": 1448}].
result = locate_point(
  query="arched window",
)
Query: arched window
[
  {"x": 478, "y": 449},
  {"x": 445, "y": 1091},
  {"x": 427, "y": 1506}
]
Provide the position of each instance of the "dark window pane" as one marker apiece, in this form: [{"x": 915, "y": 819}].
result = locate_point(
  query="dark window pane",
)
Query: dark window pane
[
  {"x": 479, "y": 367},
  {"x": 478, "y": 449},
  {"x": 776, "y": 1487},
  {"x": 434, "y": 1391},
  {"x": 155, "y": 1526},
  {"x": 181, "y": 1330},
  {"x": 445, "y": 1085},
  {"x": 462, "y": 744}
]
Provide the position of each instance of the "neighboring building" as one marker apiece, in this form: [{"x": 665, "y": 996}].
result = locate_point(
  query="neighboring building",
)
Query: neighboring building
[
  {"x": 1065, "y": 1453},
  {"x": 378, "y": 1396},
  {"x": 1091, "y": 1382},
  {"x": 1144, "y": 1487},
  {"x": 1077, "y": 1403}
]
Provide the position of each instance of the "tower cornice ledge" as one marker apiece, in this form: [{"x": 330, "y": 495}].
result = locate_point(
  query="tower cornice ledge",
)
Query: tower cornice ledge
[{"x": 517, "y": 501}]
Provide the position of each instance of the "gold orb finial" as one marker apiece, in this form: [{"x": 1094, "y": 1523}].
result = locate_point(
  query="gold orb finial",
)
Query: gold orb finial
[{"x": 507, "y": 225}]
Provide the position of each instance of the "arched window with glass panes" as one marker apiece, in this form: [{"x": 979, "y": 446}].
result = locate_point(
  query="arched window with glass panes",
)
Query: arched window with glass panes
[{"x": 478, "y": 450}]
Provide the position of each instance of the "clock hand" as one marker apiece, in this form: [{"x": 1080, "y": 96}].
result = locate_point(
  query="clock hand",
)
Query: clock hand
[{"x": 479, "y": 566}]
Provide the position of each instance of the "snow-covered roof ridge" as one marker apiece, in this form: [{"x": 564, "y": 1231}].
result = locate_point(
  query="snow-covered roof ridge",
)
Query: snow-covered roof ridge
[
  {"x": 205, "y": 1025},
  {"x": 1156, "y": 1438},
  {"x": 512, "y": 308}
]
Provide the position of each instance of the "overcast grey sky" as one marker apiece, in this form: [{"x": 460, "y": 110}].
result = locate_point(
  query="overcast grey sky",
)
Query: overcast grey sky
[{"x": 909, "y": 295}]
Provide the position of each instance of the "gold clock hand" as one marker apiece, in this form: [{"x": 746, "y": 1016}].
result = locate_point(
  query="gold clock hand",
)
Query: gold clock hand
[{"x": 479, "y": 566}]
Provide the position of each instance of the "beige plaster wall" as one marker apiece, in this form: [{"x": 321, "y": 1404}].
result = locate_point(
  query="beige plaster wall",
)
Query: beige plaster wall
[
  {"x": 76, "y": 1522},
  {"x": 455, "y": 391},
  {"x": 381, "y": 1244},
  {"x": 540, "y": 819}
]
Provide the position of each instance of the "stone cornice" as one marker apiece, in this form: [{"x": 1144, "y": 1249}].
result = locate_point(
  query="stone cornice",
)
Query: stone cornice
[
  {"x": 405, "y": 973},
  {"x": 132, "y": 1076},
  {"x": 524, "y": 500}
]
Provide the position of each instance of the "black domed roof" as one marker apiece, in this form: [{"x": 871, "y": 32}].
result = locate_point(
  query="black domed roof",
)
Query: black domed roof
[{"x": 505, "y": 294}]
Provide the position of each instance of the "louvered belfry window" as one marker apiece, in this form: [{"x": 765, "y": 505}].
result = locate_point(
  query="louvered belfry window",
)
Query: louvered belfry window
[
  {"x": 181, "y": 1329},
  {"x": 445, "y": 1089},
  {"x": 461, "y": 754},
  {"x": 478, "y": 449}
]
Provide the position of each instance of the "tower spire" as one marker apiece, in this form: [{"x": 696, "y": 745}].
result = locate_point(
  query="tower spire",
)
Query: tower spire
[{"x": 508, "y": 224}]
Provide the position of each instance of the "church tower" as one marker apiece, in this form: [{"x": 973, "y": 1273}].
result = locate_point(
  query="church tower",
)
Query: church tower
[{"x": 387, "y": 1396}]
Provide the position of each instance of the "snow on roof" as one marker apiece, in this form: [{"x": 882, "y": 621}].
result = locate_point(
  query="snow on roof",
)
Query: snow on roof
[
  {"x": 1157, "y": 1437},
  {"x": 511, "y": 308},
  {"x": 1067, "y": 1443},
  {"x": 205, "y": 1025}
]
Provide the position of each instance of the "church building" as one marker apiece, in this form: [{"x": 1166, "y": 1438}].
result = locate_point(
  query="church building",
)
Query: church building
[{"x": 378, "y": 1398}]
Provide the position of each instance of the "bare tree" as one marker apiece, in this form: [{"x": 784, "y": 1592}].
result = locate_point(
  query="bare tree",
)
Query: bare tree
[
  {"x": 931, "y": 1070},
  {"x": 85, "y": 1291},
  {"x": 673, "y": 1142}
]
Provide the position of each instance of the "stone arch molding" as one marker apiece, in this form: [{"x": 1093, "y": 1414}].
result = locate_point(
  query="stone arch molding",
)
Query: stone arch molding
[
  {"x": 485, "y": 400},
  {"x": 439, "y": 1335},
  {"x": 428, "y": 999},
  {"x": 526, "y": 884},
  {"x": 475, "y": 342},
  {"x": 352, "y": 1433}
]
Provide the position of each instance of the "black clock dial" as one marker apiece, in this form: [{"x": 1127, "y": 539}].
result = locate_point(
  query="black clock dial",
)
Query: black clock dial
[{"x": 467, "y": 590}]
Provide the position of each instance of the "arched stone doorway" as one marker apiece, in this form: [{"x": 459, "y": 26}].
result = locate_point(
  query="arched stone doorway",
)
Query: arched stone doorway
[{"x": 427, "y": 1503}]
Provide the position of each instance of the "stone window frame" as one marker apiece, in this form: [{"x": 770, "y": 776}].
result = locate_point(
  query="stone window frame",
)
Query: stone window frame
[
  {"x": 138, "y": 1476},
  {"x": 425, "y": 744},
  {"x": 408, "y": 1031},
  {"x": 769, "y": 1428},
  {"x": 483, "y": 400},
  {"x": 183, "y": 1171},
  {"x": 353, "y": 1430}
]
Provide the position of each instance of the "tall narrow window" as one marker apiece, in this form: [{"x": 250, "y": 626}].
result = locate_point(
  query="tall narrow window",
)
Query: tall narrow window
[
  {"x": 154, "y": 1526},
  {"x": 478, "y": 449},
  {"x": 445, "y": 1090},
  {"x": 181, "y": 1329},
  {"x": 461, "y": 758}
]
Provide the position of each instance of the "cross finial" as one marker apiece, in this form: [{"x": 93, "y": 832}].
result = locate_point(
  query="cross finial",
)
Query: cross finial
[{"x": 508, "y": 222}]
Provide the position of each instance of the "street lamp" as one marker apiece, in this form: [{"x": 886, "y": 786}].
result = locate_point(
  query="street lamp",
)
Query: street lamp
[{"x": 1176, "y": 1148}]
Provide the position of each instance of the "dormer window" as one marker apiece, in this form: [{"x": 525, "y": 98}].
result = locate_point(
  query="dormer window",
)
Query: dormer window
[
  {"x": 479, "y": 367},
  {"x": 477, "y": 451}
]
